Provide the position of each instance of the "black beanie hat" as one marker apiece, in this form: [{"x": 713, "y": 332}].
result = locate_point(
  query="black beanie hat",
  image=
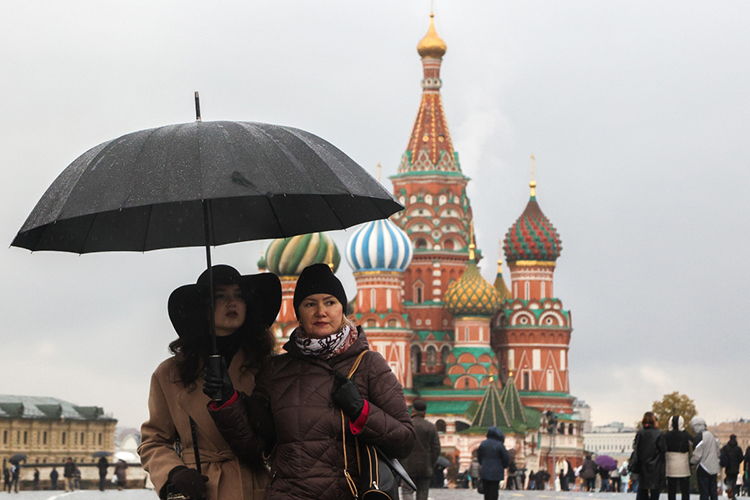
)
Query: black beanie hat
[{"x": 318, "y": 278}]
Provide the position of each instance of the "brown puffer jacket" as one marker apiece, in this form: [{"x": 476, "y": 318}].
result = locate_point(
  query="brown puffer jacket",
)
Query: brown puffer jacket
[{"x": 308, "y": 458}]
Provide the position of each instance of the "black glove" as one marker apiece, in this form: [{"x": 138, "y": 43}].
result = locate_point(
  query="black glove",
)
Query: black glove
[
  {"x": 189, "y": 482},
  {"x": 347, "y": 397},
  {"x": 216, "y": 382}
]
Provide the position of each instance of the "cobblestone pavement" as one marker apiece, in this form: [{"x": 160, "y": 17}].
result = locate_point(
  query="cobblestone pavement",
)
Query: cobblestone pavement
[{"x": 442, "y": 494}]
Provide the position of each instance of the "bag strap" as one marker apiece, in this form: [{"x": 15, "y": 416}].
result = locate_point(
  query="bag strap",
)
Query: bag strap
[{"x": 349, "y": 480}]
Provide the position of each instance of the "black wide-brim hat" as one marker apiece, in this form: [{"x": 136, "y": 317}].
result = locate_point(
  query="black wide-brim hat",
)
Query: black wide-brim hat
[{"x": 188, "y": 305}]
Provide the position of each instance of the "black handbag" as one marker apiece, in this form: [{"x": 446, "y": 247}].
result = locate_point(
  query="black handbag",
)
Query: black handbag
[
  {"x": 378, "y": 475},
  {"x": 634, "y": 466}
]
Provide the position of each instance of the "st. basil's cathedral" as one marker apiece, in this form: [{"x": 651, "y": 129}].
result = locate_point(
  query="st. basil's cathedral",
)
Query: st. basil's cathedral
[{"x": 479, "y": 354}]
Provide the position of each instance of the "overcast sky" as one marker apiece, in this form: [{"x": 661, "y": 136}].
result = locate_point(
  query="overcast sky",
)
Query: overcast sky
[{"x": 637, "y": 114}]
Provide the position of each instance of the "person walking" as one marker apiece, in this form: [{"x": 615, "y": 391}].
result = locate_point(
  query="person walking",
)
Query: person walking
[
  {"x": 650, "y": 448},
  {"x": 35, "y": 481},
  {"x": 615, "y": 480},
  {"x": 102, "y": 465},
  {"x": 245, "y": 308},
  {"x": 705, "y": 458},
  {"x": 121, "y": 474},
  {"x": 474, "y": 472},
  {"x": 53, "y": 476},
  {"x": 604, "y": 479},
  {"x": 493, "y": 458},
  {"x": 6, "y": 479},
  {"x": 69, "y": 473},
  {"x": 588, "y": 473},
  {"x": 305, "y": 410},
  {"x": 677, "y": 458},
  {"x": 421, "y": 461},
  {"x": 15, "y": 472},
  {"x": 731, "y": 455}
]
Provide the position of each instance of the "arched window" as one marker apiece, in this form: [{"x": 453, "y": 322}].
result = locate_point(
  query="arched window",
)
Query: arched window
[
  {"x": 440, "y": 425},
  {"x": 418, "y": 295},
  {"x": 416, "y": 359},
  {"x": 444, "y": 353},
  {"x": 431, "y": 355},
  {"x": 449, "y": 245},
  {"x": 420, "y": 244}
]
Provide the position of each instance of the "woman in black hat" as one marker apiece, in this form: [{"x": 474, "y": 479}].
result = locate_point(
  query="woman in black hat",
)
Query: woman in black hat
[
  {"x": 245, "y": 308},
  {"x": 303, "y": 405}
]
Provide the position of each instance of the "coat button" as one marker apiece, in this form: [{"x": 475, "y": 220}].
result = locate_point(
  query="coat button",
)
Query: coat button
[{"x": 335, "y": 468}]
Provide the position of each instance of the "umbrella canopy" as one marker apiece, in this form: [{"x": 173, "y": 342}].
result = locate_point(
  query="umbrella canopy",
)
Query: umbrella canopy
[
  {"x": 443, "y": 462},
  {"x": 17, "y": 458},
  {"x": 163, "y": 187},
  {"x": 99, "y": 454},
  {"x": 606, "y": 462}
]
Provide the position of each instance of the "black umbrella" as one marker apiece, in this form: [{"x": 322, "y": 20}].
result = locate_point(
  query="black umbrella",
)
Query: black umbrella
[
  {"x": 17, "y": 458},
  {"x": 99, "y": 454},
  {"x": 202, "y": 184}
]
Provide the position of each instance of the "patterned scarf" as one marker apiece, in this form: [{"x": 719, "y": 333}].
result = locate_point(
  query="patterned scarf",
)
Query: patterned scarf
[{"x": 329, "y": 346}]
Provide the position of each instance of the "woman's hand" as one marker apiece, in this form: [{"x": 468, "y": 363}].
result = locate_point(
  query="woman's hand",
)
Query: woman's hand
[
  {"x": 347, "y": 397},
  {"x": 189, "y": 482},
  {"x": 216, "y": 382}
]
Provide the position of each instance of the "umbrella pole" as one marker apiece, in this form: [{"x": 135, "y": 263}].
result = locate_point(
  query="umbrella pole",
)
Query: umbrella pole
[{"x": 207, "y": 233}]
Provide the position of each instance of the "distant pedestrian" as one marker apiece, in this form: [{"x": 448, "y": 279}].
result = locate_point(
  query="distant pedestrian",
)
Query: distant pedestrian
[
  {"x": 588, "y": 473},
  {"x": 69, "y": 473},
  {"x": 650, "y": 448},
  {"x": 542, "y": 477},
  {"x": 15, "y": 472},
  {"x": 102, "y": 465},
  {"x": 53, "y": 478},
  {"x": 6, "y": 480},
  {"x": 121, "y": 474},
  {"x": 510, "y": 482},
  {"x": 604, "y": 476},
  {"x": 706, "y": 458},
  {"x": 494, "y": 458},
  {"x": 731, "y": 456},
  {"x": 677, "y": 457},
  {"x": 522, "y": 479},
  {"x": 474, "y": 472},
  {"x": 420, "y": 464},
  {"x": 35, "y": 482},
  {"x": 615, "y": 480},
  {"x": 77, "y": 478}
]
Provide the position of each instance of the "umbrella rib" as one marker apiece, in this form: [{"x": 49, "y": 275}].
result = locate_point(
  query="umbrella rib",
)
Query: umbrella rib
[
  {"x": 148, "y": 226},
  {"x": 88, "y": 232}
]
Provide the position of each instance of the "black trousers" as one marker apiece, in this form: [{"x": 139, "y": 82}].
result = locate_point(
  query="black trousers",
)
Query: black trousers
[
  {"x": 491, "y": 489},
  {"x": 684, "y": 485},
  {"x": 707, "y": 484},
  {"x": 647, "y": 494}
]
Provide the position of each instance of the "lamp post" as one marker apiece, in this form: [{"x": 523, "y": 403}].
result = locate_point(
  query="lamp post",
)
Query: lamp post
[{"x": 552, "y": 429}]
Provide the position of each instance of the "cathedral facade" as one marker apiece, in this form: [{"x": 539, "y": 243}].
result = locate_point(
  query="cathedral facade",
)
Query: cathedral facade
[{"x": 479, "y": 354}]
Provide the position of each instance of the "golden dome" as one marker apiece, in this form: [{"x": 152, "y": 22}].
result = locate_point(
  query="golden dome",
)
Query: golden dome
[{"x": 432, "y": 45}]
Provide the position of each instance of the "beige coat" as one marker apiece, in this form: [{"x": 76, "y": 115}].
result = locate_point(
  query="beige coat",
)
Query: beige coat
[{"x": 170, "y": 405}]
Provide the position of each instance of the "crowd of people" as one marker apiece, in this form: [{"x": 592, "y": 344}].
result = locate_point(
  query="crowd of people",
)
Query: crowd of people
[{"x": 71, "y": 477}]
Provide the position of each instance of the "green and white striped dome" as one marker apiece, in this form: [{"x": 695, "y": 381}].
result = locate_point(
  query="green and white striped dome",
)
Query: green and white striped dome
[{"x": 289, "y": 256}]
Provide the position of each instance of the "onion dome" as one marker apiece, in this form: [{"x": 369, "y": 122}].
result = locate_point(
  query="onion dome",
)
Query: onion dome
[
  {"x": 379, "y": 245},
  {"x": 432, "y": 45},
  {"x": 262, "y": 264},
  {"x": 289, "y": 256},
  {"x": 532, "y": 237},
  {"x": 471, "y": 295}
]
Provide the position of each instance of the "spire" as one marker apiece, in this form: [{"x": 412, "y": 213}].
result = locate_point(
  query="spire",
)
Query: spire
[
  {"x": 532, "y": 184},
  {"x": 502, "y": 289},
  {"x": 472, "y": 243},
  {"x": 430, "y": 148}
]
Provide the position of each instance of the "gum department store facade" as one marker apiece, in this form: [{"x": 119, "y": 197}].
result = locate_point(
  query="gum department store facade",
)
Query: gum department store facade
[{"x": 479, "y": 354}]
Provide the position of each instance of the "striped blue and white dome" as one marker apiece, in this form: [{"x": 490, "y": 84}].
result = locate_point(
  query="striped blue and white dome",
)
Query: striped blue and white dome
[{"x": 379, "y": 246}]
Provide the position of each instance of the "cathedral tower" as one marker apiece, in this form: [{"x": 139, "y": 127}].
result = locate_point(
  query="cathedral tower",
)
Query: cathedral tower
[
  {"x": 531, "y": 333},
  {"x": 378, "y": 253},
  {"x": 429, "y": 183}
]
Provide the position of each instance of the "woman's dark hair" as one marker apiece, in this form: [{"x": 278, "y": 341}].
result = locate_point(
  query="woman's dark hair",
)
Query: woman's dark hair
[
  {"x": 649, "y": 420},
  {"x": 258, "y": 344}
]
